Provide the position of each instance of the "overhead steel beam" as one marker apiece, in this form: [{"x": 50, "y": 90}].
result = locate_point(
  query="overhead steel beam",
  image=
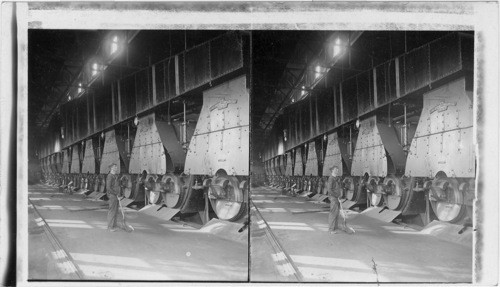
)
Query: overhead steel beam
[
  {"x": 352, "y": 36},
  {"x": 73, "y": 80},
  {"x": 283, "y": 87}
]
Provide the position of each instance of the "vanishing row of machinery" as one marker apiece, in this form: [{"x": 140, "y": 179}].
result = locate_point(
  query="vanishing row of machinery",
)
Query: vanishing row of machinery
[
  {"x": 401, "y": 134},
  {"x": 178, "y": 131}
]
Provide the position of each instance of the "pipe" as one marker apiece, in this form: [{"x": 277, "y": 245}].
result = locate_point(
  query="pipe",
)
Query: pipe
[
  {"x": 408, "y": 114},
  {"x": 350, "y": 143},
  {"x": 169, "y": 120},
  {"x": 184, "y": 128},
  {"x": 405, "y": 129},
  {"x": 128, "y": 139},
  {"x": 389, "y": 115}
]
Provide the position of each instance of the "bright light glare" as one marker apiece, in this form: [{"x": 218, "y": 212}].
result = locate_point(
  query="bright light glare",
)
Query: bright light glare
[
  {"x": 303, "y": 91},
  {"x": 318, "y": 72},
  {"x": 280, "y": 147},
  {"x": 79, "y": 87},
  {"x": 114, "y": 45},
  {"x": 337, "y": 48},
  {"x": 94, "y": 69}
]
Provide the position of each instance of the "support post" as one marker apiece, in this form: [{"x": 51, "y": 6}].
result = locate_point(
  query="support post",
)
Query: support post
[{"x": 427, "y": 208}]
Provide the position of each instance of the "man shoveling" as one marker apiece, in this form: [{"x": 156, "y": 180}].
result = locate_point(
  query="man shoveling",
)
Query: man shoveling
[
  {"x": 334, "y": 192},
  {"x": 113, "y": 191}
]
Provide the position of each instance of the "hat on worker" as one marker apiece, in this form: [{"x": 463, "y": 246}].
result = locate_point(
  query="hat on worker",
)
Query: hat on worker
[
  {"x": 334, "y": 167},
  {"x": 112, "y": 164}
]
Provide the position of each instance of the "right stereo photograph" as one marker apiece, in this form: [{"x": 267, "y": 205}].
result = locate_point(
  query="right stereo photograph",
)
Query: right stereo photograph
[{"x": 363, "y": 158}]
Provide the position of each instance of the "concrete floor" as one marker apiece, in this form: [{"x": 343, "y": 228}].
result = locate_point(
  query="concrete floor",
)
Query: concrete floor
[
  {"x": 156, "y": 250},
  {"x": 268, "y": 260},
  {"x": 47, "y": 264},
  {"x": 377, "y": 252}
]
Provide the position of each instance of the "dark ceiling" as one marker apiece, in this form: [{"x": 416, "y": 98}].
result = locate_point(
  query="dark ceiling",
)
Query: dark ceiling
[
  {"x": 55, "y": 58},
  {"x": 273, "y": 50}
]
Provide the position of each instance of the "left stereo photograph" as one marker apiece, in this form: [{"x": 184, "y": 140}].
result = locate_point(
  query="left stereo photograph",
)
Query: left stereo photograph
[{"x": 138, "y": 155}]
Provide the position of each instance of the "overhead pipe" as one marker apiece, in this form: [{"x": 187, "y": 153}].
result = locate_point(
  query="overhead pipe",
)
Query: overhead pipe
[
  {"x": 404, "y": 131},
  {"x": 129, "y": 151},
  {"x": 184, "y": 141},
  {"x": 389, "y": 115},
  {"x": 349, "y": 150}
]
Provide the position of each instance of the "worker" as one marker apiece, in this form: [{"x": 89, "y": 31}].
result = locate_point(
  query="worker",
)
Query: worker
[
  {"x": 334, "y": 190},
  {"x": 113, "y": 191}
]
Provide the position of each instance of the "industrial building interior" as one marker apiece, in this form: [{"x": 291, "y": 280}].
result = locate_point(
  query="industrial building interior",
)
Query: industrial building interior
[
  {"x": 392, "y": 110},
  {"x": 146, "y": 106},
  {"x": 224, "y": 141}
]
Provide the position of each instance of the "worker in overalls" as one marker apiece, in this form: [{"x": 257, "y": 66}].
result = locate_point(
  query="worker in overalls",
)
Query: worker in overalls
[
  {"x": 113, "y": 191},
  {"x": 334, "y": 189}
]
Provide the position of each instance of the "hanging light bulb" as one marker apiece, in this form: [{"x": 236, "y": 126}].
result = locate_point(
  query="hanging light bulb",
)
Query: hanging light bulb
[
  {"x": 318, "y": 72},
  {"x": 337, "y": 48},
  {"x": 136, "y": 121},
  {"x": 95, "y": 69},
  {"x": 114, "y": 45}
]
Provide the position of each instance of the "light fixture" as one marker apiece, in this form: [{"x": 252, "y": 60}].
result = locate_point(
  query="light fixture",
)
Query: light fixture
[
  {"x": 318, "y": 71},
  {"x": 95, "y": 69},
  {"x": 303, "y": 90},
  {"x": 79, "y": 87},
  {"x": 337, "y": 48},
  {"x": 114, "y": 45},
  {"x": 136, "y": 120},
  {"x": 358, "y": 123}
]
